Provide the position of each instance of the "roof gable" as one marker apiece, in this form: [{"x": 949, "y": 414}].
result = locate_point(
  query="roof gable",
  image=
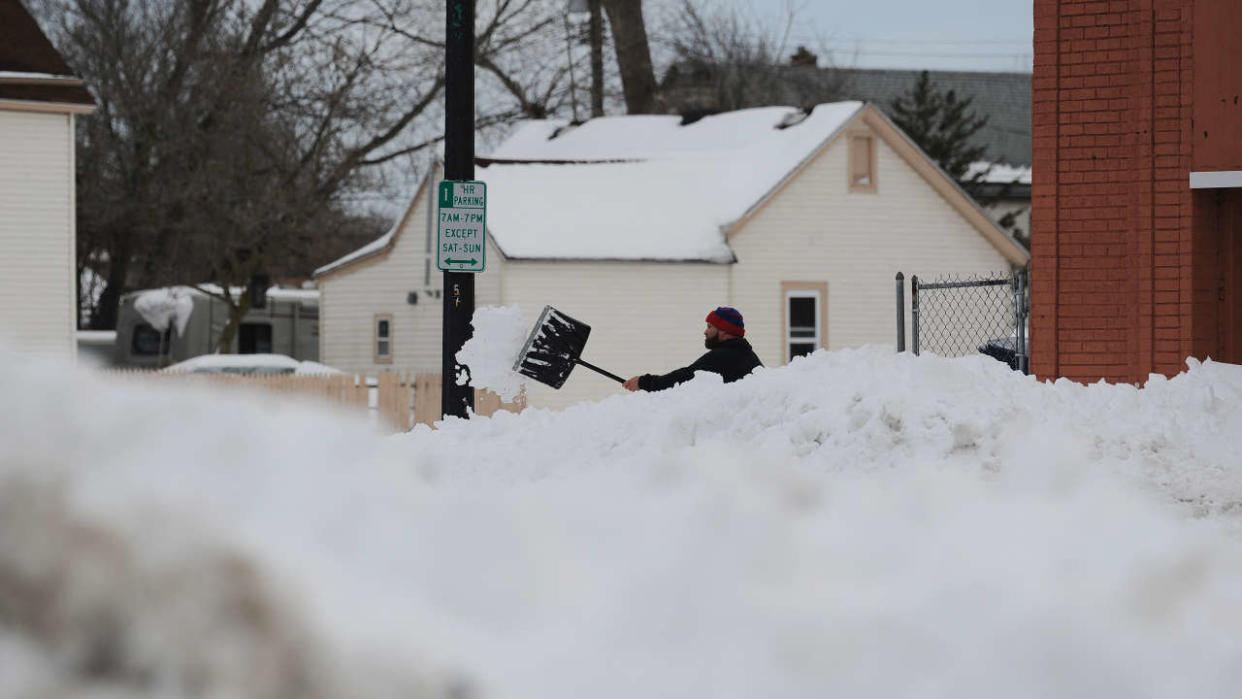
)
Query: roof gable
[
  {"x": 31, "y": 69},
  {"x": 382, "y": 246},
  {"x": 924, "y": 166}
]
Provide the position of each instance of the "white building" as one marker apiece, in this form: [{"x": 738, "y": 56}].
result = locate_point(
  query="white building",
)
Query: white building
[
  {"x": 39, "y": 98},
  {"x": 640, "y": 225}
]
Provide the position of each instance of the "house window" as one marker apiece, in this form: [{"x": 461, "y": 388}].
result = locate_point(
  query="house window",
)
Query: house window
[
  {"x": 804, "y": 317},
  {"x": 862, "y": 163},
  {"x": 383, "y": 338}
]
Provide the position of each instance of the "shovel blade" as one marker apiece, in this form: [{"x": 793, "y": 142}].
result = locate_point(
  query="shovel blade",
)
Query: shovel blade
[{"x": 554, "y": 346}]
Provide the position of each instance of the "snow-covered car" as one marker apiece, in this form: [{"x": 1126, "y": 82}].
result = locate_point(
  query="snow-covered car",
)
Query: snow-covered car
[{"x": 250, "y": 364}]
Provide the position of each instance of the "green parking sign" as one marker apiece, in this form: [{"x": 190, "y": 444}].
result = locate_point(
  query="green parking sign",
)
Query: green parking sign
[{"x": 461, "y": 235}]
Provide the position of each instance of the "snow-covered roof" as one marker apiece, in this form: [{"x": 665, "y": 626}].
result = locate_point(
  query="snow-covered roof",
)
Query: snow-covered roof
[
  {"x": 276, "y": 293},
  {"x": 1000, "y": 173},
  {"x": 31, "y": 69},
  {"x": 162, "y": 307},
  {"x": 25, "y": 75},
  {"x": 644, "y": 187}
]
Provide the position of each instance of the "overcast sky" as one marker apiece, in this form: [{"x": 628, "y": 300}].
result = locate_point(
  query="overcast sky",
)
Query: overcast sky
[{"x": 991, "y": 35}]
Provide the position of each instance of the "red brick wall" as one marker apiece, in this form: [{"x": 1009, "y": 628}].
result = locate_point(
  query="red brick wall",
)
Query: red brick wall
[
  {"x": 1111, "y": 270},
  {"x": 1217, "y": 135}
]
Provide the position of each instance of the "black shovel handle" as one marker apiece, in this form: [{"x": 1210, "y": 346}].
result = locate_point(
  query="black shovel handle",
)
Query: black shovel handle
[{"x": 592, "y": 367}]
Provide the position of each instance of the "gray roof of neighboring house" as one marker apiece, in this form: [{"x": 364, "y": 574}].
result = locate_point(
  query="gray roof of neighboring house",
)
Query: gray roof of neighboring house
[{"x": 1004, "y": 97}]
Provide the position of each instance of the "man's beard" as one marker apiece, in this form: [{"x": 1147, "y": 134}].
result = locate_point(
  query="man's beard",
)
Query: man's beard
[{"x": 711, "y": 342}]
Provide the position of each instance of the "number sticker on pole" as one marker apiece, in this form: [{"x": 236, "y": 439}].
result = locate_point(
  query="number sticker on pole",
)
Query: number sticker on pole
[{"x": 461, "y": 239}]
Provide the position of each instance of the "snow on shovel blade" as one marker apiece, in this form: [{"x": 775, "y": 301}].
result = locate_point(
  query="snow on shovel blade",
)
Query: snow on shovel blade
[{"x": 554, "y": 346}]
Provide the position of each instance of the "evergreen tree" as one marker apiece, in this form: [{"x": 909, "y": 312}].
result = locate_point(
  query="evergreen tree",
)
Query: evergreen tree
[{"x": 940, "y": 123}]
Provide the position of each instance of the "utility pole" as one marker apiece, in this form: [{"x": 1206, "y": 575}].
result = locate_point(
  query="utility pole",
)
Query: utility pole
[{"x": 458, "y": 296}]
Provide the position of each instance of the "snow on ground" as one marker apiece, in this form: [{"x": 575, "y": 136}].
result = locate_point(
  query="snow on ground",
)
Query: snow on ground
[{"x": 858, "y": 523}]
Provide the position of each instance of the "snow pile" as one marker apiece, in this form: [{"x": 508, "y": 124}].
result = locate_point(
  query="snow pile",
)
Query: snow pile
[
  {"x": 160, "y": 307},
  {"x": 856, "y": 524},
  {"x": 499, "y": 333}
]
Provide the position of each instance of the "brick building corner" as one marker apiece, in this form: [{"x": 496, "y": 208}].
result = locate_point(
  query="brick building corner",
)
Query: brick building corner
[{"x": 1137, "y": 191}]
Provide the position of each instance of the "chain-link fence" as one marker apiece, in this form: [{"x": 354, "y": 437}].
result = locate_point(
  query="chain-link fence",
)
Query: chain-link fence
[{"x": 958, "y": 315}]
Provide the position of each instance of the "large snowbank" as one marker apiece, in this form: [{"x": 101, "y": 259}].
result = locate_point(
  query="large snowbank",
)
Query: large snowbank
[{"x": 856, "y": 524}]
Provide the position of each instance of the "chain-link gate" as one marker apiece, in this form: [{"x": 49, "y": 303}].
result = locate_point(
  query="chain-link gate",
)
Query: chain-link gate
[{"x": 955, "y": 316}]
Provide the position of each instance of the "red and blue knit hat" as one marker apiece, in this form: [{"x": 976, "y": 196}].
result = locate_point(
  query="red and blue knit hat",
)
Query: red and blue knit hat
[{"x": 728, "y": 320}]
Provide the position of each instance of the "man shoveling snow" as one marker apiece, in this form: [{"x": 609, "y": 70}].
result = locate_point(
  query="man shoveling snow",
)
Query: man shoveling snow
[{"x": 728, "y": 354}]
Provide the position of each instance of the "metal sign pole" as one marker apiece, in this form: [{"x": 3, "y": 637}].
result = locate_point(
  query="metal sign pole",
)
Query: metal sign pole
[
  {"x": 458, "y": 297},
  {"x": 901, "y": 312}
]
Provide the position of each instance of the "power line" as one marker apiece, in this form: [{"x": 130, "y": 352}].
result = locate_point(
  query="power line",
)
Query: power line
[
  {"x": 935, "y": 41},
  {"x": 923, "y": 54}
]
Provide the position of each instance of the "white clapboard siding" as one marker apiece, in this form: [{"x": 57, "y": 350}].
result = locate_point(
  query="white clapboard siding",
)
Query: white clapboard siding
[
  {"x": 355, "y": 294},
  {"x": 817, "y": 230},
  {"x": 38, "y": 296},
  {"x": 645, "y": 317}
]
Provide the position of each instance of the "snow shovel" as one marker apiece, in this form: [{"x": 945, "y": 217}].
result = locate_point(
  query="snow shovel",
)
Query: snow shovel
[{"x": 554, "y": 347}]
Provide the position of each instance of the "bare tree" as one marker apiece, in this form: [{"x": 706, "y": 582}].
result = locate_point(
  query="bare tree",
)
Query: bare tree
[
  {"x": 724, "y": 59},
  {"x": 231, "y": 134},
  {"x": 595, "y": 38},
  {"x": 629, "y": 35}
]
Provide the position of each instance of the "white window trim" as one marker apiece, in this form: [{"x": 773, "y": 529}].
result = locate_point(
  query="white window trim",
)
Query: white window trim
[
  {"x": 817, "y": 291},
  {"x": 376, "y": 339}
]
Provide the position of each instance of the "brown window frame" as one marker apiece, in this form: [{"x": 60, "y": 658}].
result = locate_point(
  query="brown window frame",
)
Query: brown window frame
[
  {"x": 854, "y": 139},
  {"x": 375, "y": 339},
  {"x": 786, "y": 288}
]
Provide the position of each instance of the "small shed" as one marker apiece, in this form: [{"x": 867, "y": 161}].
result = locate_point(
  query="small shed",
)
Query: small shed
[
  {"x": 159, "y": 327},
  {"x": 639, "y": 225}
]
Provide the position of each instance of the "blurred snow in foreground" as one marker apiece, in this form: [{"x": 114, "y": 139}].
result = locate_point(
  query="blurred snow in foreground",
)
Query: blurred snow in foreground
[{"x": 856, "y": 524}]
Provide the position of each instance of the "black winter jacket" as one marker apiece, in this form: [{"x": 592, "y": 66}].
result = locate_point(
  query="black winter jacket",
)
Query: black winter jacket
[{"x": 732, "y": 359}]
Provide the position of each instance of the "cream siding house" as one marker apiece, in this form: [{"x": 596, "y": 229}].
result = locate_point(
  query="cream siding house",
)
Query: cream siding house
[
  {"x": 803, "y": 231},
  {"x": 38, "y": 101}
]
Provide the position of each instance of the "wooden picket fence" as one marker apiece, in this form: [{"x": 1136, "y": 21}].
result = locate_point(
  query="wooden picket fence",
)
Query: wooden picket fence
[
  {"x": 400, "y": 399},
  {"x": 427, "y": 400}
]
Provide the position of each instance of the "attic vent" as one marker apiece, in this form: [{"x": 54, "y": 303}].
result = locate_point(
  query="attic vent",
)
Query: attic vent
[{"x": 794, "y": 118}]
